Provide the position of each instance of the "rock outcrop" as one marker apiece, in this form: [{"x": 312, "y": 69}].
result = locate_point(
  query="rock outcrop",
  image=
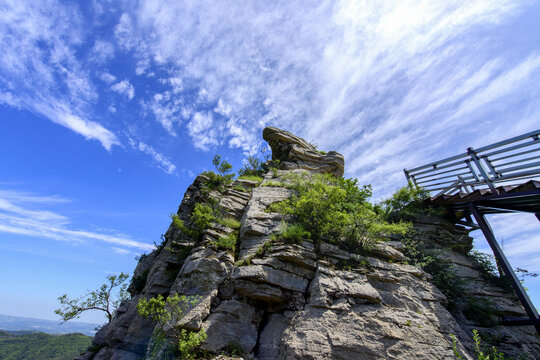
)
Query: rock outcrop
[
  {"x": 275, "y": 300},
  {"x": 296, "y": 153}
]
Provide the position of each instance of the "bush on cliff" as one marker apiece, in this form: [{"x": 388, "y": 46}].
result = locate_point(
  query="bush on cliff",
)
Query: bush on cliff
[
  {"x": 166, "y": 312},
  {"x": 336, "y": 210}
]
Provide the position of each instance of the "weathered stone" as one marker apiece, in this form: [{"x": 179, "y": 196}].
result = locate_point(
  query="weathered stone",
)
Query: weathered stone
[
  {"x": 270, "y": 340},
  {"x": 296, "y": 153},
  {"x": 232, "y": 322},
  {"x": 335, "y": 289},
  {"x": 260, "y": 291},
  {"x": 387, "y": 252},
  {"x": 333, "y": 253},
  {"x": 302, "y": 255},
  {"x": 269, "y": 275}
]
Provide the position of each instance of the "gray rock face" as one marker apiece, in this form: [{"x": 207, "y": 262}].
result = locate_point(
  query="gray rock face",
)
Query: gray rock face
[
  {"x": 296, "y": 153},
  {"x": 274, "y": 300}
]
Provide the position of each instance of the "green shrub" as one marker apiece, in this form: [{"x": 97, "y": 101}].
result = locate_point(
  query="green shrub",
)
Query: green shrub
[
  {"x": 227, "y": 242},
  {"x": 192, "y": 233},
  {"x": 485, "y": 263},
  {"x": 256, "y": 178},
  {"x": 273, "y": 183},
  {"x": 167, "y": 313},
  {"x": 230, "y": 223},
  {"x": 294, "y": 233},
  {"x": 253, "y": 166},
  {"x": 336, "y": 210},
  {"x": 481, "y": 311},
  {"x": 442, "y": 271},
  {"x": 223, "y": 177},
  {"x": 481, "y": 352},
  {"x": 406, "y": 204},
  {"x": 202, "y": 216}
]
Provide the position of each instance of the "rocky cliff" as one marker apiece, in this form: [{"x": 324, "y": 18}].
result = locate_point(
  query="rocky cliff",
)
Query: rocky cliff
[{"x": 275, "y": 300}]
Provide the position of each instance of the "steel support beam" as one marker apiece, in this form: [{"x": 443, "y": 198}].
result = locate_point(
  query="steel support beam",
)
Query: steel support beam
[{"x": 505, "y": 265}]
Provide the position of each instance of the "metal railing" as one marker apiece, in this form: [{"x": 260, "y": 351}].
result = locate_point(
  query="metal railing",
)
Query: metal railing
[{"x": 517, "y": 158}]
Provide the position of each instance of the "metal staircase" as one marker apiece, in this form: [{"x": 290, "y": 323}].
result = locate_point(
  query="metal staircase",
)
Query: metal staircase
[{"x": 499, "y": 178}]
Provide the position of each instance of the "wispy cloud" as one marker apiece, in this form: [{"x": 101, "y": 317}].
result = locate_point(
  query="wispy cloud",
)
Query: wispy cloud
[
  {"x": 390, "y": 84},
  {"x": 102, "y": 51},
  {"x": 163, "y": 162},
  {"x": 203, "y": 130},
  {"x": 24, "y": 214},
  {"x": 39, "y": 69},
  {"x": 125, "y": 88}
]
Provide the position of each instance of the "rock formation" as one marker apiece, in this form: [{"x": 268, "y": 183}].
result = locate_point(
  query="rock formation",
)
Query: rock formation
[{"x": 292, "y": 301}]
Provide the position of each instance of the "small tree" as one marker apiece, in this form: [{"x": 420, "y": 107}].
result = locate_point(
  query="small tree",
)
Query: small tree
[
  {"x": 167, "y": 313},
  {"x": 223, "y": 167},
  {"x": 101, "y": 299}
]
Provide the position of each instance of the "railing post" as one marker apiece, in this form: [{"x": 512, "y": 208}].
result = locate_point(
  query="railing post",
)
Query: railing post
[
  {"x": 407, "y": 176},
  {"x": 478, "y": 164}
]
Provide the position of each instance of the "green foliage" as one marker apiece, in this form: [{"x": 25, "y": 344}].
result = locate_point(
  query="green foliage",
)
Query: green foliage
[
  {"x": 202, "y": 216},
  {"x": 223, "y": 178},
  {"x": 481, "y": 311},
  {"x": 42, "y": 346},
  {"x": 442, "y": 271},
  {"x": 256, "y": 178},
  {"x": 242, "y": 188},
  {"x": 235, "y": 349},
  {"x": 166, "y": 313},
  {"x": 223, "y": 167},
  {"x": 273, "y": 183},
  {"x": 192, "y": 233},
  {"x": 102, "y": 299},
  {"x": 259, "y": 252},
  {"x": 481, "y": 352},
  {"x": 227, "y": 242},
  {"x": 446, "y": 280},
  {"x": 350, "y": 264},
  {"x": 294, "y": 233},
  {"x": 253, "y": 166},
  {"x": 407, "y": 203},
  {"x": 230, "y": 223},
  {"x": 336, "y": 210},
  {"x": 485, "y": 263}
]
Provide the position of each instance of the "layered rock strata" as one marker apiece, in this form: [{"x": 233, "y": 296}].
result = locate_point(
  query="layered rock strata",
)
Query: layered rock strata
[{"x": 292, "y": 301}]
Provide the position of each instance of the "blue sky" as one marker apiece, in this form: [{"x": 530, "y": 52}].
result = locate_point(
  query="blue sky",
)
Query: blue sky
[{"x": 108, "y": 109}]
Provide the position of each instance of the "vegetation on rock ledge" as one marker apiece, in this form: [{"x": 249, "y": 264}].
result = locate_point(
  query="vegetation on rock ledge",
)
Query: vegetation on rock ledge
[{"x": 334, "y": 210}]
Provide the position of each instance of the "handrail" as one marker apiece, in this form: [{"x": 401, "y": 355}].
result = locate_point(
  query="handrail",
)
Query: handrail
[{"x": 481, "y": 171}]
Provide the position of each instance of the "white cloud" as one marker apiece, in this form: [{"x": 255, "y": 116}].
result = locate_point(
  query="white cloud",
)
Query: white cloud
[
  {"x": 162, "y": 161},
  {"x": 368, "y": 80},
  {"x": 167, "y": 109},
  {"x": 124, "y": 87},
  {"x": 39, "y": 69},
  {"x": 120, "y": 251},
  {"x": 24, "y": 214},
  {"x": 203, "y": 131},
  {"x": 102, "y": 51},
  {"x": 107, "y": 77}
]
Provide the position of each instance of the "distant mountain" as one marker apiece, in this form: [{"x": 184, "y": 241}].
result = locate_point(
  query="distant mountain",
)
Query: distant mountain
[
  {"x": 37, "y": 345},
  {"x": 17, "y": 323}
]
